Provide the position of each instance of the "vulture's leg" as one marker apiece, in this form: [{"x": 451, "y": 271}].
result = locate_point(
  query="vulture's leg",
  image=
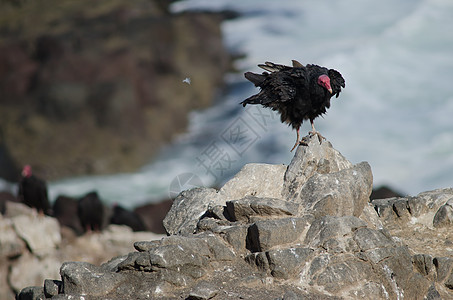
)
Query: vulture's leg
[
  {"x": 297, "y": 140},
  {"x": 315, "y": 132}
]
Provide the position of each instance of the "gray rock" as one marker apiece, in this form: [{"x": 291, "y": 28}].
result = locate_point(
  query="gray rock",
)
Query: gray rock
[
  {"x": 444, "y": 215},
  {"x": 342, "y": 193},
  {"x": 178, "y": 258},
  {"x": 259, "y": 260},
  {"x": 401, "y": 208},
  {"x": 31, "y": 293},
  {"x": 41, "y": 233},
  {"x": 348, "y": 273},
  {"x": 444, "y": 267},
  {"x": 308, "y": 161},
  {"x": 433, "y": 294},
  {"x": 188, "y": 208},
  {"x": 248, "y": 207},
  {"x": 368, "y": 239},
  {"x": 334, "y": 234},
  {"x": 259, "y": 180},
  {"x": 29, "y": 270},
  {"x": 203, "y": 291},
  {"x": 81, "y": 278},
  {"x": 266, "y": 234},
  {"x": 419, "y": 209},
  {"x": 52, "y": 287},
  {"x": 144, "y": 246},
  {"x": 14, "y": 209},
  {"x": 287, "y": 263},
  {"x": 11, "y": 244},
  {"x": 423, "y": 263},
  {"x": 206, "y": 244},
  {"x": 112, "y": 265},
  {"x": 236, "y": 236}
]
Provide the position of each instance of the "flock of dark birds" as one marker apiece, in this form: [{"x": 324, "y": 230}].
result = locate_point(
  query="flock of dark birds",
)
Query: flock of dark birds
[
  {"x": 298, "y": 93},
  {"x": 84, "y": 214}
]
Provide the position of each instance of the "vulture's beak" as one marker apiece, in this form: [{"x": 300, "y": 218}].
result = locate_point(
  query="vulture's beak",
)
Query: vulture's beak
[{"x": 330, "y": 91}]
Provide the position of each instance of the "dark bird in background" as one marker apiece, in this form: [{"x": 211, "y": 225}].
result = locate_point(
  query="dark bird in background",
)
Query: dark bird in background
[
  {"x": 65, "y": 211},
  {"x": 91, "y": 212},
  {"x": 122, "y": 216},
  {"x": 298, "y": 93},
  {"x": 33, "y": 191}
]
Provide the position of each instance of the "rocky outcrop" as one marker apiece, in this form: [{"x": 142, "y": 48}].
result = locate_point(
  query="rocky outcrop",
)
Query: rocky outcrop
[
  {"x": 33, "y": 247},
  {"x": 95, "y": 88},
  {"x": 306, "y": 230}
]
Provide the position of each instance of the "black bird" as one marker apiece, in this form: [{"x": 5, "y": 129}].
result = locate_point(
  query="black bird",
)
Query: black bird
[
  {"x": 33, "y": 191},
  {"x": 122, "y": 216},
  {"x": 298, "y": 93},
  {"x": 91, "y": 212}
]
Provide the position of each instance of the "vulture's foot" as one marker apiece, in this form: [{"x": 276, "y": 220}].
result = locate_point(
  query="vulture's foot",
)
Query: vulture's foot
[{"x": 320, "y": 137}]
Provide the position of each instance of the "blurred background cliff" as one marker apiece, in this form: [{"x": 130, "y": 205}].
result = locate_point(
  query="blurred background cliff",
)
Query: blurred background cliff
[{"x": 96, "y": 87}]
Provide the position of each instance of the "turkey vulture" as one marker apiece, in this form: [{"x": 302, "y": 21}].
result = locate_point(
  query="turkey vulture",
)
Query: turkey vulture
[
  {"x": 91, "y": 212},
  {"x": 298, "y": 93},
  {"x": 122, "y": 216},
  {"x": 33, "y": 191}
]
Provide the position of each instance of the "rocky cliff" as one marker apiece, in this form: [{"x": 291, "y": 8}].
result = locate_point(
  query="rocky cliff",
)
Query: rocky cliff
[
  {"x": 97, "y": 87},
  {"x": 303, "y": 231}
]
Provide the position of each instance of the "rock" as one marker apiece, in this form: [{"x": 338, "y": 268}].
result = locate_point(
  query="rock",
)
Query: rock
[
  {"x": 41, "y": 233},
  {"x": 258, "y": 180},
  {"x": 341, "y": 193},
  {"x": 29, "y": 270},
  {"x": 5, "y": 289},
  {"x": 288, "y": 263},
  {"x": 31, "y": 293},
  {"x": 317, "y": 157},
  {"x": 328, "y": 233},
  {"x": 426, "y": 214},
  {"x": 444, "y": 215},
  {"x": 433, "y": 294},
  {"x": 11, "y": 244},
  {"x": 250, "y": 206},
  {"x": 188, "y": 208},
  {"x": 203, "y": 291},
  {"x": 444, "y": 267},
  {"x": 423, "y": 263},
  {"x": 236, "y": 236},
  {"x": 86, "y": 279},
  {"x": 14, "y": 209},
  {"x": 52, "y": 287},
  {"x": 266, "y": 234}
]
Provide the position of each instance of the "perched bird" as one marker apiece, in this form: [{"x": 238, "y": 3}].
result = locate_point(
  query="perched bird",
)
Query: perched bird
[
  {"x": 122, "y": 216},
  {"x": 91, "y": 212},
  {"x": 33, "y": 191},
  {"x": 65, "y": 211},
  {"x": 298, "y": 93}
]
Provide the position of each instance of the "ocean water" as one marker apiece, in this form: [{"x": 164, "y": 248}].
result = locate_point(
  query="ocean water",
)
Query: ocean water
[{"x": 396, "y": 111}]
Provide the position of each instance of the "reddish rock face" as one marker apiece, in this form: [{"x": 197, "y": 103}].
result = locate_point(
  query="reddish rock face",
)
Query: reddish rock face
[{"x": 86, "y": 93}]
